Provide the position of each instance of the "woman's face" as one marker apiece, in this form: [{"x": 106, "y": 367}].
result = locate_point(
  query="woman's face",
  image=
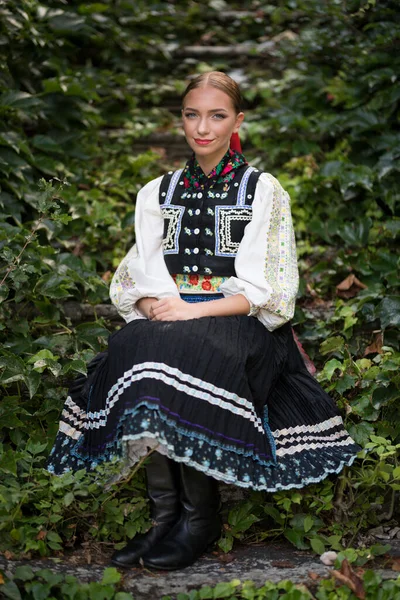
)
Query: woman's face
[{"x": 209, "y": 119}]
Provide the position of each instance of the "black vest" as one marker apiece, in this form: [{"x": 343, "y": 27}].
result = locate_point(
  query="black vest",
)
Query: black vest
[{"x": 203, "y": 230}]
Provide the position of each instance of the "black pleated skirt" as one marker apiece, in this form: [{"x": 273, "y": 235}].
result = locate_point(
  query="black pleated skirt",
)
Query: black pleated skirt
[{"x": 222, "y": 394}]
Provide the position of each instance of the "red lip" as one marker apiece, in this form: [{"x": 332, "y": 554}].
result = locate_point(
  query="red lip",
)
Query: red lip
[{"x": 203, "y": 142}]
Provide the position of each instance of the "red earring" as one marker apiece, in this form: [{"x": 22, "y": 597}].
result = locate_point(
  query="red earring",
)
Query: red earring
[{"x": 235, "y": 143}]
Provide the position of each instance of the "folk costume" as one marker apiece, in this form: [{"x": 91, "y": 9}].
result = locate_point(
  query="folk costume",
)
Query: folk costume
[{"x": 226, "y": 398}]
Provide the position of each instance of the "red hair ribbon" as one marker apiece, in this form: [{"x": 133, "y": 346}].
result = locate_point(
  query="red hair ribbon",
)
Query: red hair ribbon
[{"x": 235, "y": 143}]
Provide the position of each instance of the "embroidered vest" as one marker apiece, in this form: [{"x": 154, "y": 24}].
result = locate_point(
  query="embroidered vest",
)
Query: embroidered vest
[{"x": 203, "y": 230}]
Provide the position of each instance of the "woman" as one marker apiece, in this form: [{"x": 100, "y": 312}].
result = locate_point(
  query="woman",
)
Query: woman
[{"x": 206, "y": 371}]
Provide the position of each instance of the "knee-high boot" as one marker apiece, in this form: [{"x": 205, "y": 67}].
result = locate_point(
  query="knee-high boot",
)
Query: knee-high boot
[
  {"x": 198, "y": 527},
  {"x": 162, "y": 477}
]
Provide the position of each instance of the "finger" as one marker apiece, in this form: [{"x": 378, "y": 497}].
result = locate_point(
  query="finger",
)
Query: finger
[
  {"x": 159, "y": 303},
  {"x": 162, "y": 316},
  {"x": 168, "y": 316},
  {"x": 160, "y": 310}
]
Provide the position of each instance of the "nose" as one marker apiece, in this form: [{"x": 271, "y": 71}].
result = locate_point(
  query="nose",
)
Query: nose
[{"x": 202, "y": 126}]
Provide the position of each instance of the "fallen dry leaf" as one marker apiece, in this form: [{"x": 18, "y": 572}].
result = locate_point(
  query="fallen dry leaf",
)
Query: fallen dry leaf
[
  {"x": 349, "y": 287},
  {"x": 78, "y": 250},
  {"x": 8, "y": 555},
  {"x": 347, "y": 576},
  {"x": 376, "y": 346},
  {"x": 314, "y": 576},
  {"x": 226, "y": 558},
  {"x": 312, "y": 292},
  {"x": 396, "y": 564},
  {"x": 1, "y": 579},
  {"x": 282, "y": 564},
  {"x": 106, "y": 276},
  {"x": 41, "y": 535},
  {"x": 288, "y": 34}
]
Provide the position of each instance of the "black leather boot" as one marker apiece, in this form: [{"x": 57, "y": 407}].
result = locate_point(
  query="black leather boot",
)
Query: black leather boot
[
  {"x": 198, "y": 527},
  {"x": 162, "y": 475}
]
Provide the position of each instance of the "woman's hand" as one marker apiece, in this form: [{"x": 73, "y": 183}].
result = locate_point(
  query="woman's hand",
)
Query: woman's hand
[
  {"x": 173, "y": 309},
  {"x": 176, "y": 309}
]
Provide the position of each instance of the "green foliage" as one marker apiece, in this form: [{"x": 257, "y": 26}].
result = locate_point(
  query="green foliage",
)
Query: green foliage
[
  {"x": 40, "y": 513},
  {"x": 27, "y": 584},
  {"x": 286, "y": 590},
  {"x": 80, "y": 84},
  {"x": 44, "y": 584},
  {"x": 239, "y": 520}
]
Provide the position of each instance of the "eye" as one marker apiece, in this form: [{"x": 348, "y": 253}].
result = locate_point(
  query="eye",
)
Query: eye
[
  {"x": 219, "y": 116},
  {"x": 190, "y": 115}
]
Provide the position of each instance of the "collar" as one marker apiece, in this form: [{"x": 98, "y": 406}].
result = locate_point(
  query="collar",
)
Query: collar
[{"x": 195, "y": 179}]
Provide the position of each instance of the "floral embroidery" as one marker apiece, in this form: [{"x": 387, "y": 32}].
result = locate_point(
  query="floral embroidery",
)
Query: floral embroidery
[
  {"x": 280, "y": 268},
  {"x": 121, "y": 282},
  {"x": 198, "y": 283},
  {"x": 125, "y": 277},
  {"x": 194, "y": 177}
]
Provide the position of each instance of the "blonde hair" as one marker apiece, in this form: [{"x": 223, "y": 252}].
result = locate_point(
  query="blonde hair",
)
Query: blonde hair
[{"x": 221, "y": 81}]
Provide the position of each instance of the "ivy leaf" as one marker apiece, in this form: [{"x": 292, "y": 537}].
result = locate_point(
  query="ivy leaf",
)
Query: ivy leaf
[
  {"x": 308, "y": 523},
  {"x": 35, "y": 448},
  {"x": 32, "y": 381},
  {"x": 347, "y": 382},
  {"x": 226, "y": 543},
  {"x": 14, "y": 369},
  {"x": 46, "y": 143},
  {"x": 4, "y": 291},
  {"x": 8, "y": 462},
  {"x": 241, "y": 518},
  {"x": 361, "y": 432},
  {"x": 10, "y": 590},
  {"x": 111, "y": 576},
  {"x": 317, "y": 545},
  {"x": 332, "y": 344},
  {"x": 296, "y": 538},
  {"x": 92, "y": 334},
  {"x": 389, "y": 311},
  {"x": 77, "y": 365},
  {"x": 17, "y": 99},
  {"x": 40, "y": 591},
  {"x": 224, "y": 590},
  {"x": 331, "y": 367},
  {"x": 357, "y": 233},
  {"x": 24, "y": 573},
  {"x": 68, "y": 499},
  {"x": 356, "y": 175},
  {"x": 383, "y": 395}
]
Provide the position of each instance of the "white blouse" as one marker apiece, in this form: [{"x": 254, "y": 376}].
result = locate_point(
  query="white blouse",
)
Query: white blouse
[{"x": 265, "y": 264}]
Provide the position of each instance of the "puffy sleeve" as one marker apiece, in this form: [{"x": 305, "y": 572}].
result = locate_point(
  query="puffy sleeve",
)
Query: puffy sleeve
[
  {"x": 143, "y": 272},
  {"x": 266, "y": 261}
]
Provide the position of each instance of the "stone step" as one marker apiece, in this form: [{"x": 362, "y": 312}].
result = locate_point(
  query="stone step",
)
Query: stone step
[{"x": 259, "y": 563}]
